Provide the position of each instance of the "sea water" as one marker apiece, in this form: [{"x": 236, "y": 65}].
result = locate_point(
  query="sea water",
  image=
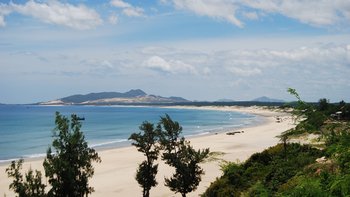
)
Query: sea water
[{"x": 26, "y": 130}]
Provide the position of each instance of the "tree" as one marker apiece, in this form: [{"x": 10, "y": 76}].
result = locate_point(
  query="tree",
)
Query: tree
[
  {"x": 188, "y": 173},
  {"x": 69, "y": 167},
  {"x": 284, "y": 139},
  {"x": 313, "y": 119},
  {"x": 31, "y": 186},
  {"x": 146, "y": 143},
  {"x": 169, "y": 132},
  {"x": 302, "y": 107},
  {"x": 323, "y": 104},
  {"x": 179, "y": 154}
]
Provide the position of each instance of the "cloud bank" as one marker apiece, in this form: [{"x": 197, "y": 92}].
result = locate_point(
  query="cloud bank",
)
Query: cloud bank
[
  {"x": 128, "y": 9},
  {"x": 218, "y": 9},
  {"x": 54, "y": 12},
  {"x": 320, "y": 13},
  {"x": 171, "y": 66},
  {"x": 311, "y": 12}
]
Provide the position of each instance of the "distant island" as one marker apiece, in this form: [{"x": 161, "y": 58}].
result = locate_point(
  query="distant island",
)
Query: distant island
[
  {"x": 265, "y": 99},
  {"x": 114, "y": 98},
  {"x": 139, "y": 97}
]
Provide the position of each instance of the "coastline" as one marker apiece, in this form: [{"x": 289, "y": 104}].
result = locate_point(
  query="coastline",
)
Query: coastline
[
  {"x": 115, "y": 175},
  {"x": 123, "y": 140}
]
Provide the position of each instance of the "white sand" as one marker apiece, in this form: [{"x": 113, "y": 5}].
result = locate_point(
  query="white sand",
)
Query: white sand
[{"x": 115, "y": 175}]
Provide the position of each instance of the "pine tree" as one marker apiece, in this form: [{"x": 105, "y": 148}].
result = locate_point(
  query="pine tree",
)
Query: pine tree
[
  {"x": 69, "y": 167},
  {"x": 28, "y": 186},
  {"x": 146, "y": 142},
  {"x": 179, "y": 154}
]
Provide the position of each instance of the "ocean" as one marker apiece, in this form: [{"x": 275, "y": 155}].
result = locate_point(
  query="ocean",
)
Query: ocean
[{"x": 26, "y": 130}]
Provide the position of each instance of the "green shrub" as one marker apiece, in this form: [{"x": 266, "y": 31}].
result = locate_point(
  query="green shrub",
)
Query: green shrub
[{"x": 307, "y": 187}]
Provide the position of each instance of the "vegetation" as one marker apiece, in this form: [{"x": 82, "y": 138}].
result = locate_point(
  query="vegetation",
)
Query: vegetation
[
  {"x": 29, "y": 186},
  {"x": 179, "y": 154},
  {"x": 287, "y": 169},
  {"x": 263, "y": 172},
  {"x": 176, "y": 152},
  {"x": 290, "y": 169},
  {"x": 146, "y": 143},
  {"x": 68, "y": 169}
]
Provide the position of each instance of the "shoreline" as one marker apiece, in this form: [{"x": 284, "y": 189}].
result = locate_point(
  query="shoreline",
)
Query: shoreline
[
  {"x": 115, "y": 175},
  {"x": 125, "y": 143}
]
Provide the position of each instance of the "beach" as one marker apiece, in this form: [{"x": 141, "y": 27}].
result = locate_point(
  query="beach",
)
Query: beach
[{"x": 114, "y": 176}]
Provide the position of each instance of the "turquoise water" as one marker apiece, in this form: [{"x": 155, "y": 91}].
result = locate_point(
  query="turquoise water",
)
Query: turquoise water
[{"x": 26, "y": 130}]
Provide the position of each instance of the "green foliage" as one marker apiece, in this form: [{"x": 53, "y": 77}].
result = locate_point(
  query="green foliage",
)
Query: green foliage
[
  {"x": 233, "y": 172},
  {"x": 30, "y": 186},
  {"x": 310, "y": 118},
  {"x": 258, "y": 189},
  {"x": 146, "y": 143},
  {"x": 323, "y": 104},
  {"x": 70, "y": 166},
  {"x": 301, "y": 107},
  {"x": 264, "y": 173},
  {"x": 294, "y": 93},
  {"x": 291, "y": 169},
  {"x": 339, "y": 186},
  {"x": 219, "y": 188},
  {"x": 146, "y": 177},
  {"x": 339, "y": 147},
  {"x": 187, "y": 171},
  {"x": 304, "y": 186},
  {"x": 179, "y": 154},
  {"x": 68, "y": 169},
  {"x": 169, "y": 132}
]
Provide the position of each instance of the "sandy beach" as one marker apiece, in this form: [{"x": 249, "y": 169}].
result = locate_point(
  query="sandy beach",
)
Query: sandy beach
[{"x": 115, "y": 175}]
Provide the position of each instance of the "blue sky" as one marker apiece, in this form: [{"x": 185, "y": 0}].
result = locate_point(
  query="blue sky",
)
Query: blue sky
[{"x": 197, "y": 49}]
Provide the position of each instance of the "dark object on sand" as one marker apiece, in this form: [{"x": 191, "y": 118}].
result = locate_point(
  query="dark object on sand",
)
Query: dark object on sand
[{"x": 234, "y": 132}]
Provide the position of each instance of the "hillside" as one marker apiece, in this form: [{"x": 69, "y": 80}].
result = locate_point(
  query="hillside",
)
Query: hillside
[
  {"x": 109, "y": 98},
  {"x": 311, "y": 160}
]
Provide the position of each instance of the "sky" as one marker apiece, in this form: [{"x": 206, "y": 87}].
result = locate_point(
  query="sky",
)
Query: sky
[{"x": 196, "y": 49}]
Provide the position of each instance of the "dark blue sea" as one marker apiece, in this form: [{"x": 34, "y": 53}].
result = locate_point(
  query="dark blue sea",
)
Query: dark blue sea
[{"x": 26, "y": 130}]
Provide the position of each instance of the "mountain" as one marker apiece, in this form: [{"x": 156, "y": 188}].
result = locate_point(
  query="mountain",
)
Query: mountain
[
  {"x": 268, "y": 100},
  {"x": 102, "y": 95},
  {"x": 109, "y": 98}
]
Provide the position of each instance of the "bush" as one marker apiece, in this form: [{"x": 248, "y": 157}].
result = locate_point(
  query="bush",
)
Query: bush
[{"x": 302, "y": 186}]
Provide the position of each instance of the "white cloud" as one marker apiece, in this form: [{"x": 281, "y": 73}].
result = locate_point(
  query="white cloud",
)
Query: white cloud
[
  {"x": 55, "y": 12},
  {"x": 246, "y": 72},
  {"x": 113, "y": 19},
  {"x": 2, "y": 21},
  {"x": 107, "y": 64},
  {"x": 309, "y": 64},
  {"x": 134, "y": 11},
  {"x": 120, "y": 4},
  {"x": 251, "y": 15},
  {"x": 206, "y": 71},
  {"x": 128, "y": 9},
  {"x": 321, "y": 61},
  {"x": 171, "y": 66},
  {"x": 218, "y": 9},
  {"x": 312, "y": 12},
  {"x": 239, "y": 74},
  {"x": 4, "y": 10}
]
